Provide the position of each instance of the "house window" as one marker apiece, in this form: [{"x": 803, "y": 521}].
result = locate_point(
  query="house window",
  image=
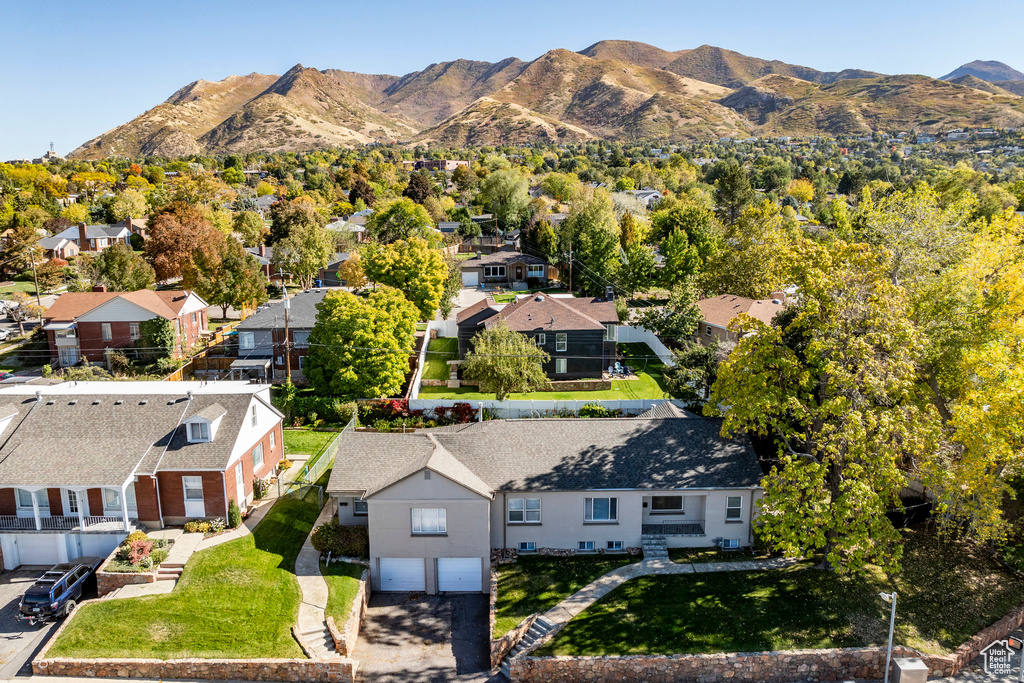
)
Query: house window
[
  {"x": 25, "y": 499},
  {"x": 193, "y": 488},
  {"x": 257, "y": 456},
  {"x": 105, "y": 329},
  {"x": 560, "y": 366},
  {"x": 730, "y": 543},
  {"x": 527, "y": 546},
  {"x": 601, "y": 509},
  {"x": 561, "y": 341},
  {"x": 193, "y": 318},
  {"x": 198, "y": 431},
  {"x": 540, "y": 339},
  {"x": 429, "y": 521},
  {"x": 494, "y": 271},
  {"x": 733, "y": 508},
  {"x": 273, "y": 441},
  {"x": 66, "y": 334},
  {"x": 133, "y": 331},
  {"x": 253, "y": 419},
  {"x": 302, "y": 363},
  {"x": 72, "y": 502},
  {"x": 707, "y": 330},
  {"x": 246, "y": 340},
  {"x": 667, "y": 503},
  {"x": 360, "y": 508},
  {"x": 609, "y": 332},
  {"x": 535, "y": 271},
  {"x": 614, "y": 545},
  {"x": 523, "y": 510},
  {"x": 585, "y": 546},
  {"x": 112, "y": 498}
]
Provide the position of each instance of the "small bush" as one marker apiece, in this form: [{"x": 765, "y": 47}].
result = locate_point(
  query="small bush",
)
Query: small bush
[
  {"x": 135, "y": 536},
  {"x": 341, "y": 540},
  {"x": 234, "y": 514},
  {"x": 382, "y": 426},
  {"x": 260, "y": 487},
  {"x": 197, "y": 526},
  {"x": 218, "y": 525},
  {"x": 596, "y": 410},
  {"x": 284, "y": 464}
]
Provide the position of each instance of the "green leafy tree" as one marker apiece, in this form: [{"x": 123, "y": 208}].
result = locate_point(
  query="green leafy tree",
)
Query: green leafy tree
[
  {"x": 592, "y": 234},
  {"x": 733, "y": 192},
  {"x": 399, "y": 219},
  {"x": 307, "y": 248},
  {"x": 452, "y": 286},
  {"x": 638, "y": 269},
  {"x": 129, "y": 204},
  {"x": 157, "y": 338},
  {"x": 694, "y": 373},
  {"x": 677, "y": 320},
  {"x": 286, "y": 216},
  {"x": 468, "y": 228},
  {"x": 250, "y": 228},
  {"x": 361, "y": 346},
  {"x": 834, "y": 383},
  {"x": 233, "y": 176},
  {"x": 22, "y": 242},
  {"x": 122, "y": 270},
  {"x": 231, "y": 277},
  {"x": 411, "y": 267},
  {"x": 506, "y": 192},
  {"x": 505, "y": 362},
  {"x": 758, "y": 258}
]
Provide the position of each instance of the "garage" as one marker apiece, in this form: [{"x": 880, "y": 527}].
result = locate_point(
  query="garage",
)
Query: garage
[
  {"x": 99, "y": 544},
  {"x": 460, "y": 574},
  {"x": 32, "y": 549},
  {"x": 402, "y": 574},
  {"x": 470, "y": 278}
]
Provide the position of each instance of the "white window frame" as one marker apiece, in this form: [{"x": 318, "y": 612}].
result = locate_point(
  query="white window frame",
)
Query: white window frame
[
  {"x": 540, "y": 339},
  {"x": 203, "y": 429},
  {"x": 535, "y": 271},
  {"x": 106, "y": 332},
  {"x": 527, "y": 508},
  {"x": 440, "y": 526},
  {"x": 614, "y": 546},
  {"x": 584, "y": 546},
  {"x": 360, "y": 508},
  {"x": 730, "y": 543},
  {"x": 707, "y": 330},
  {"x": 257, "y": 450},
  {"x": 730, "y": 509},
  {"x": 71, "y": 501},
  {"x": 189, "y": 484},
  {"x": 273, "y": 440},
  {"x": 246, "y": 341},
  {"x": 495, "y": 271},
  {"x": 112, "y": 498},
  {"x": 561, "y": 341},
  {"x": 302, "y": 363},
  {"x": 43, "y": 500},
  {"x": 561, "y": 366},
  {"x": 527, "y": 546},
  {"x": 682, "y": 504},
  {"x": 613, "y": 509},
  {"x": 134, "y": 331},
  {"x": 610, "y": 332},
  {"x": 253, "y": 413},
  {"x": 67, "y": 334}
]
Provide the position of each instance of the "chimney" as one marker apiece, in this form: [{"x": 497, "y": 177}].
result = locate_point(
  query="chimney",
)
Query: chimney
[
  {"x": 83, "y": 241},
  {"x": 609, "y": 293},
  {"x": 99, "y": 288},
  {"x": 780, "y": 295},
  {"x": 263, "y": 250}
]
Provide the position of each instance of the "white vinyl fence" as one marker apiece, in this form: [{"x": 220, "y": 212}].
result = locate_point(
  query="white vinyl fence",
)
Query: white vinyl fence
[{"x": 629, "y": 334}]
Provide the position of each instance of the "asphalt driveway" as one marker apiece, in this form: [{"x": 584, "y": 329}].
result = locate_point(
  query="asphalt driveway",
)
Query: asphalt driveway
[
  {"x": 18, "y": 641},
  {"x": 417, "y": 638}
]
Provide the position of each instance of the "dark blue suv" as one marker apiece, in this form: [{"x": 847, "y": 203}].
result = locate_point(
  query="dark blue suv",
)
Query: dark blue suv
[{"x": 58, "y": 591}]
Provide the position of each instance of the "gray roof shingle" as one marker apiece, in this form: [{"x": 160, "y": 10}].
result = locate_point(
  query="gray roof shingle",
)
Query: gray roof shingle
[{"x": 301, "y": 315}]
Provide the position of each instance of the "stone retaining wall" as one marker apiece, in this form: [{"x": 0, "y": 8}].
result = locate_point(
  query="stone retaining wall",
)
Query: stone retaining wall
[
  {"x": 345, "y": 638},
  {"x": 108, "y": 582},
  {"x": 500, "y": 647}
]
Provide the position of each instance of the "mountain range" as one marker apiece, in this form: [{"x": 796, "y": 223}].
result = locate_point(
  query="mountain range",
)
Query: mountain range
[{"x": 613, "y": 89}]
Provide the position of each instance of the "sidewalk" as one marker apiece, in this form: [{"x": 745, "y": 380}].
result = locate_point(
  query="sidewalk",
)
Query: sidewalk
[{"x": 312, "y": 620}]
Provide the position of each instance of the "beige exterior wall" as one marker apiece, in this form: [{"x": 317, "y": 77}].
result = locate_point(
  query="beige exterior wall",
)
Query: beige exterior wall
[
  {"x": 346, "y": 512},
  {"x": 719, "y": 334},
  {"x": 390, "y": 522}
]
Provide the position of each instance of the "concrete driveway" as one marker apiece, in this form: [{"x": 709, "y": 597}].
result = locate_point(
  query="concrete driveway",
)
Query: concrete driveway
[
  {"x": 18, "y": 641},
  {"x": 416, "y": 638}
]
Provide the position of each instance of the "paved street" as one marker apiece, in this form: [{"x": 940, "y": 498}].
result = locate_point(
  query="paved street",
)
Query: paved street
[{"x": 18, "y": 640}]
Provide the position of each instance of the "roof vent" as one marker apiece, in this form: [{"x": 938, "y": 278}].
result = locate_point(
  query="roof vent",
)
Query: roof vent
[
  {"x": 39, "y": 396},
  {"x": 776, "y": 301},
  {"x": 189, "y": 394},
  {"x": 540, "y": 297},
  {"x": 143, "y": 402},
  {"x": 118, "y": 401},
  {"x": 96, "y": 402},
  {"x": 50, "y": 402},
  {"x": 73, "y": 401}
]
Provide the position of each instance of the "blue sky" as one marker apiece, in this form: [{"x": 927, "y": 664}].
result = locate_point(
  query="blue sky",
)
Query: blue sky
[{"x": 72, "y": 70}]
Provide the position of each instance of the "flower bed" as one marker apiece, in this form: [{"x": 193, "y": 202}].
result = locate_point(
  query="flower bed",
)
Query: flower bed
[{"x": 135, "y": 561}]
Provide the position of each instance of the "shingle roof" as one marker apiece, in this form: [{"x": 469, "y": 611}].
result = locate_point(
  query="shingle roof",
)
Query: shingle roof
[
  {"x": 52, "y": 242},
  {"x": 95, "y": 232},
  {"x": 301, "y": 315},
  {"x": 722, "y": 310},
  {"x": 559, "y": 455},
  {"x": 72, "y": 305},
  {"x": 503, "y": 258},
  {"x": 478, "y": 307},
  {"x": 542, "y": 313}
]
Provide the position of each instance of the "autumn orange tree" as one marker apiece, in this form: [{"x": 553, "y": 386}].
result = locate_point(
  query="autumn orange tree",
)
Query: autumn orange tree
[{"x": 177, "y": 233}]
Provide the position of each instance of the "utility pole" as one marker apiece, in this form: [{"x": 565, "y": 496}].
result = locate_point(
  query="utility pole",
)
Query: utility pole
[
  {"x": 32, "y": 254},
  {"x": 287, "y": 339}
]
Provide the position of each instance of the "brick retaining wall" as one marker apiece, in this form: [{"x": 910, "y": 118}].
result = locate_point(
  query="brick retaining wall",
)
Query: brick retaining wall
[
  {"x": 345, "y": 638},
  {"x": 108, "y": 582}
]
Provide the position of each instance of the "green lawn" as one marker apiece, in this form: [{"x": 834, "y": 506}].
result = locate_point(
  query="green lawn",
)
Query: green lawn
[
  {"x": 28, "y": 287},
  {"x": 947, "y": 592},
  {"x": 649, "y": 385},
  {"x": 305, "y": 442},
  {"x": 439, "y": 352},
  {"x": 342, "y": 583},
  {"x": 536, "y": 583},
  {"x": 237, "y": 600},
  {"x": 702, "y": 555},
  {"x": 503, "y": 298},
  {"x": 466, "y": 256}
]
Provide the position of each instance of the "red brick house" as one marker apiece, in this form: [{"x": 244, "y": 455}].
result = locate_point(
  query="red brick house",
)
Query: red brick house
[
  {"x": 85, "y": 324},
  {"x": 83, "y": 464}
]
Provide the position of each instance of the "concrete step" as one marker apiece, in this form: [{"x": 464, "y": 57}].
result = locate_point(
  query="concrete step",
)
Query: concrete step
[
  {"x": 172, "y": 565},
  {"x": 167, "y": 577}
]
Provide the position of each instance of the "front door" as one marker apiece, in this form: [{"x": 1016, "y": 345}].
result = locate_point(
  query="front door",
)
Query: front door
[
  {"x": 240, "y": 485},
  {"x": 195, "y": 506},
  {"x": 67, "y": 356},
  {"x": 519, "y": 273}
]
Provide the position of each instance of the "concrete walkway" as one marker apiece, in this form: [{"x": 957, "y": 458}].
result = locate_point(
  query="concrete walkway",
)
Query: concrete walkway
[
  {"x": 597, "y": 589},
  {"x": 312, "y": 620}
]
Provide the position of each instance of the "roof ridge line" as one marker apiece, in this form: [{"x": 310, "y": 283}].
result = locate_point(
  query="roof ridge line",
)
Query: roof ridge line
[{"x": 574, "y": 310}]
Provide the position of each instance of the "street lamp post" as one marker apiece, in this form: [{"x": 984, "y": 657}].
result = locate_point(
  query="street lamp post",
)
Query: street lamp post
[{"x": 891, "y": 599}]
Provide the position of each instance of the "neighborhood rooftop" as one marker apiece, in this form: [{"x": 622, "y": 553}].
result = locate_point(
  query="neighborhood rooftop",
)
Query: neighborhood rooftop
[
  {"x": 722, "y": 310},
  {"x": 301, "y": 313}
]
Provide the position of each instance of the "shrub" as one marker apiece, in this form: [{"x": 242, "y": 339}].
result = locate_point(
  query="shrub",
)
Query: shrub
[
  {"x": 460, "y": 413},
  {"x": 234, "y": 514},
  {"x": 197, "y": 526},
  {"x": 341, "y": 540},
  {"x": 218, "y": 525},
  {"x": 596, "y": 410},
  {"x": 135, "y": 536},
  {"x": 284, "y": 464},
  {"x": 382, "y": 426},
  {"x": 260, "y": 488},
  {"x": 330, "y": 409}
]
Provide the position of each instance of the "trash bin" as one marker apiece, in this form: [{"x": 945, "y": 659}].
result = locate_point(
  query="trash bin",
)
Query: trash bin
[
  {"x": 909, "y": 670},
  {"x": 318, "y": 283}
]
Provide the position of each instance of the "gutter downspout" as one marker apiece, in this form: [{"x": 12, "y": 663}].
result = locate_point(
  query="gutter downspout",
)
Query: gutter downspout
[
  {"x": 159, "y": 505},
  {"x": 750, "y": 522},
  {"x": 504, "y": 522},
  {"x": 224, "y": 485}
]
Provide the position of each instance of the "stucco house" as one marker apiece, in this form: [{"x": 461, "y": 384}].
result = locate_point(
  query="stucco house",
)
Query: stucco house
[
  {"x": 436, "y": 502},
  {"x": 82, "y": 464},
  {"x": 509, "y": 268},
  {"x": 717, "y": 313},
  {"x": 577, "y": 333}
]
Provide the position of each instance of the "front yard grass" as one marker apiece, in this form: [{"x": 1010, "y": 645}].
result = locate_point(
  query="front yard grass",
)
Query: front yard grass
[
  {"x": 536, "y": 583},
  {"x": 947, "y": 593},
  {"x": 439, "y": 352},
  {"x": 342, "y": 584},
  {"x": 713, "y": 555},
  {"x": 238, "y": 600},
  {"x": 306, "y": 442}
]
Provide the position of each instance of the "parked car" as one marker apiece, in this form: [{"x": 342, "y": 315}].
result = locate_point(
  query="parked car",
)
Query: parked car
[
  {"x": 58, "y": 591},
  {"x": 5, "y": 335}
]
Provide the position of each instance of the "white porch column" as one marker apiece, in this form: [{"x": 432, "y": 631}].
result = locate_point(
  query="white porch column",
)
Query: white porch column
[
  {"x": 35, "y": 510},
  {"x": 124, "y": 507},
  {"x": 80, "y": 506}
]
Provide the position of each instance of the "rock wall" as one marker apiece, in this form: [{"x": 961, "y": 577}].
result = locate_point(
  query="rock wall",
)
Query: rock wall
[
  {"x": 108, "y": 582},
  {"x": 346, "y": 637}
]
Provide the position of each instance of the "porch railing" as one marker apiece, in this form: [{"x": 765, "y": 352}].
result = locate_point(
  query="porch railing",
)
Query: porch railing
[
  {"x": 693, "y": 527},
  {"x": 62, "y": 523}
]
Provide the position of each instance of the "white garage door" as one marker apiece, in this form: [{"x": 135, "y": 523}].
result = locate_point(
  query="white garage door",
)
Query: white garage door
[
  {"x": 402, "y": 574},
  {"x": 470, "y": 278},
  {"x": 100, "y": 545},
  {"x": 464, "y": 574},
  {"x": 37, "y": 549}
]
